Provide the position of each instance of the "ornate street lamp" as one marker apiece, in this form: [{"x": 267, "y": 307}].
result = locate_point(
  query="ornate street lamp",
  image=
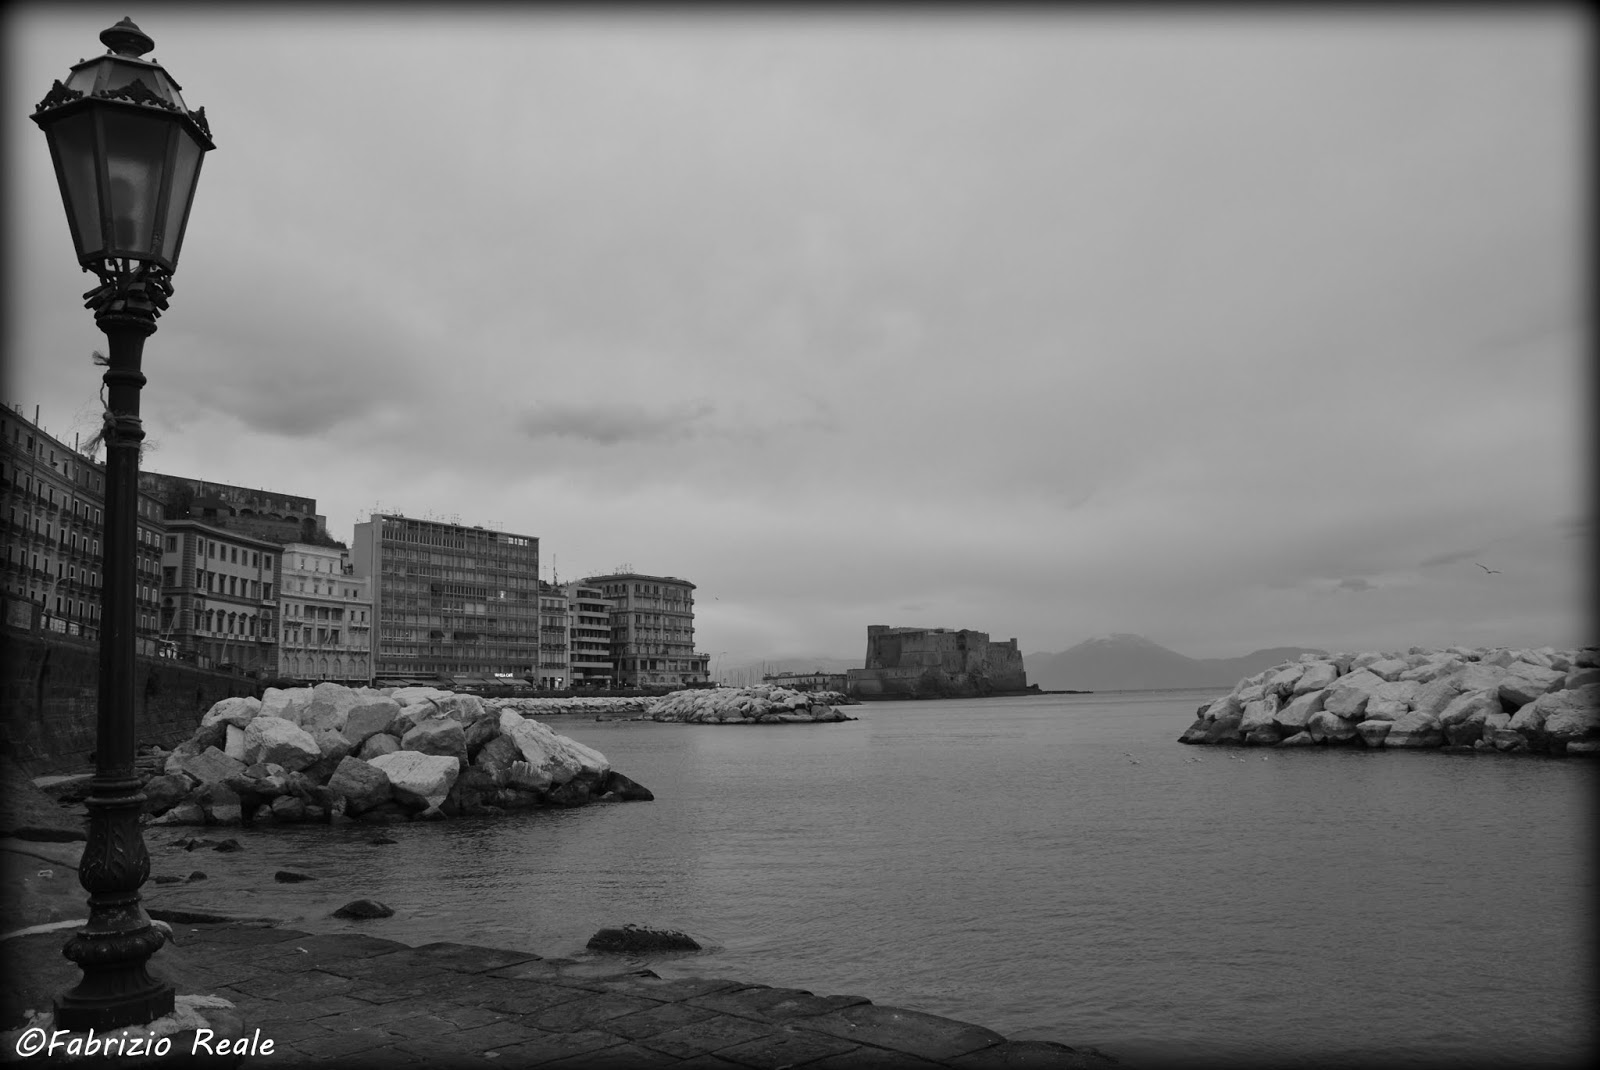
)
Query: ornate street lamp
[{"x": 127, "y": 154}]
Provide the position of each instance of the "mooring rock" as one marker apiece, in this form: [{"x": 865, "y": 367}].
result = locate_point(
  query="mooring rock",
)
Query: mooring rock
[
  {"x": 162, "y": 793},
  {"x": 361, "y": 784},
  {"x": 364, "y": 908},
  {"x": 368, "y": 717},
  {"x": 186, "y": 813},
  {"x": 273, "y": 739},
  {"x": 1468, "y": 706},
  {"x": 419, "y": 778},
  {"x": 290, "y": 809},
  {"x": 291, "y": 876},
  {"x": 1524, "y": 682},
  {"x": 1348, "y": 696},
  {"x": 210, "y": 767},
  {"x": 330, "y": 706},
  {"x": 1328, "y": 727},
  {"x": 496, "y": 758},
  {"x": 237, "y": 711},
  {"x": 1297, "y": 714},
  {"x": 288, "y": 704},
  {"x": 437, "y": 735},
  {"x": 639, "y": 938},
  {"x": 625, "y": 789},
  {"x": 376, "y": 744},
  {"x": 1299, "y": 739},
  {"x": 1571, "y": 716},
  {"x": 1258, "y": 714},
  {"x": 574, "y": 792},
  {"x": 1415, "y": 729},
  {"x": 1373, "y": 733}
]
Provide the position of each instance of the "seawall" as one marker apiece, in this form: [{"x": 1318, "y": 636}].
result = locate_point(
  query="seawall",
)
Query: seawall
[
  {"x": 1486, "y": 699},
  {"x": 49, "y": 688}
]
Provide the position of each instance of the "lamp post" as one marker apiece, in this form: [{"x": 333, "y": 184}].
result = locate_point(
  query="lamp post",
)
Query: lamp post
[{"x": 127, "y": 155}]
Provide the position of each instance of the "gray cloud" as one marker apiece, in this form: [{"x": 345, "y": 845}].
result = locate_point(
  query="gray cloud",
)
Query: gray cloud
[
  {"x": 613, "y": 423},
  {"x": 1355, "y": 583},
  {"x": 1450, "y": 558}
]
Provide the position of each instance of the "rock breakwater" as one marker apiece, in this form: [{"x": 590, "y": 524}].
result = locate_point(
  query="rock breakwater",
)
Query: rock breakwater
[
  {"x": 748, "y": 705},
  {"x": 377, "y": 755},
  {"x": 1494, "y": 699}
]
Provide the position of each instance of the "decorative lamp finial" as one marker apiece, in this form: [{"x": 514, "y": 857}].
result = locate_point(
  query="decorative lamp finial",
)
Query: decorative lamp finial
[{"x": 126, "y": 39}]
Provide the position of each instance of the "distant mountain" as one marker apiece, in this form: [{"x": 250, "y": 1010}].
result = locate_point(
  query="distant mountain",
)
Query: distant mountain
[{"x": 1125, "y": 662}]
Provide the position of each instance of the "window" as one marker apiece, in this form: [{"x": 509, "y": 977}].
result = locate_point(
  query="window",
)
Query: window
[
  {"x": 235, "y": 555},
  {"x": 266, "y": 561},
  {"x": 172, "y": 544},
  {"x": 211, "y": 549},
  {"x": 266, "y": 592}
]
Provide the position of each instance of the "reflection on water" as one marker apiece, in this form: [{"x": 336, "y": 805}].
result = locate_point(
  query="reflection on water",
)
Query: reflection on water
[{"x": 1005, "y": 862}]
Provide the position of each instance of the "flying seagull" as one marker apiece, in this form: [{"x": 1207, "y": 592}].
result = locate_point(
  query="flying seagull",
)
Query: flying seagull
[{"x": 1486, "y": 568}]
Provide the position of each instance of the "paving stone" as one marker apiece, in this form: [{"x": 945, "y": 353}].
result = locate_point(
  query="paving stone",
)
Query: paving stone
[
  {"x": 396, "y": 964},
  {"x": 548, "y": 1047},
  {"x": 470, "y": 958},
  {"x": 621, "y": 1057},
  {"x": 332, "y": 1005},
  {"x": 927, "y": 1035},
  {"x": 588, "y": 1013},
  {"x": 711, "y": 1035},
  {"x": 746, "y": 1001},
  {"x": 382, "y": 1058},
  {"x": 339, "y": 1045},
  {"x": 777, "y": 1004},
  {"x": 667, "y": 989},
  {"x": 865, "y": 1058},
  {"x": 707, "y": 1062},
  {"x": 414, "y": 1023},
  {"x": 466, "y": 1016},
  {"x": 658, "y": 1019},
  {"x": 788, "y": 1047},
  {"x": 493, "y": 1035},
  {"x": 332, "y": 947},
  {"x": 233, "y": 935},
  {"x": 294, "y": 987},
  {"x": 531, "y": 997},
  {"x": 536, "y": 970}
]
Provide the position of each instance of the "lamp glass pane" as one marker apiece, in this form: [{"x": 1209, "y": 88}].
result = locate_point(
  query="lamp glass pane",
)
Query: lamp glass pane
[
  {"x": 185, "y": 170},
  {"x": 73, "y": 139},
  {"x": 136, "y": 154}
]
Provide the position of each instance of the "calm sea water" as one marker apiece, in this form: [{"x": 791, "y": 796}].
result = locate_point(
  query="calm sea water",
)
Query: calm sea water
[{"x": 1053, "y": 867}]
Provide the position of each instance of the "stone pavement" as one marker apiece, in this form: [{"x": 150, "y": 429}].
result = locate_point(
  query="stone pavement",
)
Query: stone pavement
[{"x": 353, "y": 1000}]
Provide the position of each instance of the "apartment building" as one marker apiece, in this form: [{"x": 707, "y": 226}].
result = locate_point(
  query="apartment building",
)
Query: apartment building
[
  {"x": 590, "y": 614},
  {"x": 52, "y": 507},
  {"x": 260, "y": 514},
  {"x": 652, "y": 630},
  {"x": 449, "y": 600},
  {"x": 327, "y": 616},
  {"x": 555, "y": 638},
  {"x": 219, "y": 602}
]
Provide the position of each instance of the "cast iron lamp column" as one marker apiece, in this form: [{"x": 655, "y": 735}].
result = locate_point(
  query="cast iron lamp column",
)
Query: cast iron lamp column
[{"x": 127, "y": 156}]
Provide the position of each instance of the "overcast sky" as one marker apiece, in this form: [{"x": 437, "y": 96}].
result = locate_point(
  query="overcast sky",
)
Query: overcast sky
[{"x": 1231, "y": 330}]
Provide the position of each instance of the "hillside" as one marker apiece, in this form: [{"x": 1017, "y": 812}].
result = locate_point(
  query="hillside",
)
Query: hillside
[{"x": 1125, "y": 662}]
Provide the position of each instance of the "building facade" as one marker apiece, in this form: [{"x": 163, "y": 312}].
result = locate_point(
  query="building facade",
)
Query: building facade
[
  {"x": 652, "y": 630},
  {"x": 327, "y": 618},
  {"x": 52, "y": 505},
  {"x": 935, "y": 663},
  {"x": 449, "y": 600},
  {"x": 590, "y": 656},
  {"x": 555, "y": 638},
  {"x": 260, "y": 514},
  {"x": 219, "y": 597}
]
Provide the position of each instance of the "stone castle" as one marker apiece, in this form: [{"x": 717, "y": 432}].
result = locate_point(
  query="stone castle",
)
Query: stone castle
[{"x": 935, "y": 663}]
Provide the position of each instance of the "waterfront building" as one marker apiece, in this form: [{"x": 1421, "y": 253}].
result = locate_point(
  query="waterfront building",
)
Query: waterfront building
[
  {"x": 590, "y": 656},
  {"x": 52, "y": 505},
  {"x": 449, "y": 600},
  {"x": 555, "y": 638},
  {"x": 219, "y": 599},
  {"x": 808, "y": 681},
  {"x": 327, "y": 616},
  {"x": 260, "y": 514},
  {"x": 652, "y": 630}
]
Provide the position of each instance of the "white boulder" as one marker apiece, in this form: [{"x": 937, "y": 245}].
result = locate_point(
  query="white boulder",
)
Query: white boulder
[
  {"x": 237, "y": 711},
  {"x": 419, "y": 778},
  {"x": 273, "y": 739}
]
